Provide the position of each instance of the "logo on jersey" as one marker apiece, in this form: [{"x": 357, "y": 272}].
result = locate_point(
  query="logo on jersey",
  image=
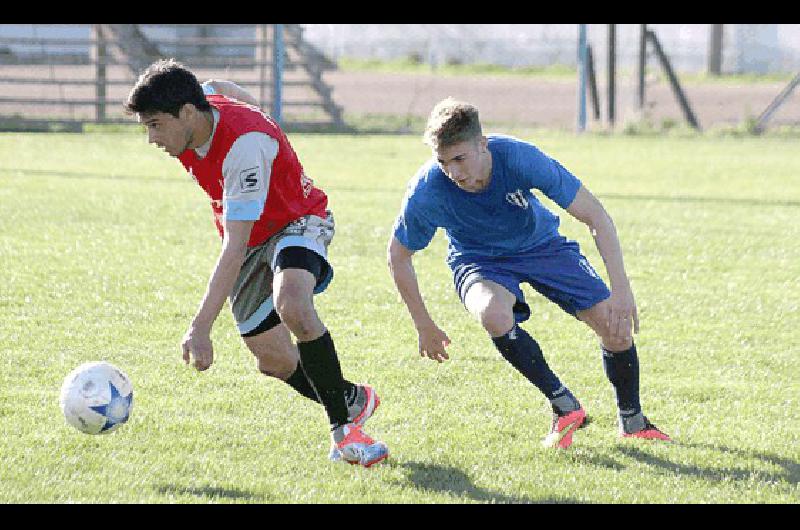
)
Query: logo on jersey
[
  {"x": 517, "y": 198},
  {"x": 248, "y": 180}
]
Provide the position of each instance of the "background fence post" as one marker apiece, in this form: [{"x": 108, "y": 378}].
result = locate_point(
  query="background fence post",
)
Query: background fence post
[
  {"x": 263, "y": 42},
  {"x": 715, "y": 50},
  {"x": 100, "y": 72},
  {"x": 581, "y": 125},
  {"x": 612, "y": 72},
  {"x": 642, "y": 66},
  {"x": 277, "y": 72}
]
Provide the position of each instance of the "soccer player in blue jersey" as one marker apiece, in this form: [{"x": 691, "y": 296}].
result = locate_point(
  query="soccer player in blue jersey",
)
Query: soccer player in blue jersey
[{"x": 479, "y": 189}]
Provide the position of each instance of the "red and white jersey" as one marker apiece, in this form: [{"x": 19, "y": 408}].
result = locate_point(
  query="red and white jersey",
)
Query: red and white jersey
[{"x": 233, "y": 175}]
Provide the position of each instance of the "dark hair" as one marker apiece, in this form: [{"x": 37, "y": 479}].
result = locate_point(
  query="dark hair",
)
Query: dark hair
[{"x": 165, "y": 86}]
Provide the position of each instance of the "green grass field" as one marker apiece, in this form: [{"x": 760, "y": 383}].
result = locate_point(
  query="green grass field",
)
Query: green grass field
[{"x": 105, "y": 250}]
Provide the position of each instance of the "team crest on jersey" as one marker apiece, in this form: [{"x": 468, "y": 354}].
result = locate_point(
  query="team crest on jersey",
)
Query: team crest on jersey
[{"x": 517, "y": 198}]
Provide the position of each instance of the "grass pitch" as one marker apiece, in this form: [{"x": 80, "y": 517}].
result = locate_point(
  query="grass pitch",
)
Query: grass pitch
[{"x": 106, "y": 246}]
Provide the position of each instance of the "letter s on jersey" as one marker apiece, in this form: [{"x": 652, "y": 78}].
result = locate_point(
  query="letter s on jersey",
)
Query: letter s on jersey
[{"x": 249, "y": 181}]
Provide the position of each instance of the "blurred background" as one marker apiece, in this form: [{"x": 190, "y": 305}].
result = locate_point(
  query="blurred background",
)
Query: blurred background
[{"x": 386, "y": 77}]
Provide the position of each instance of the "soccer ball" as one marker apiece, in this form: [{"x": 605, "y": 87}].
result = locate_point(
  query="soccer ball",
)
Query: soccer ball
[{"x": 96, "y": 398}]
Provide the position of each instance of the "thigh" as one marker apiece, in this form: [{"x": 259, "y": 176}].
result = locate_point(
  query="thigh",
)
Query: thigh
[
  {"x": 468, "y": 273},
  {"x": 275, "y": 352},
  {"x": 492, "y": 305},
  {"x": 294, "y": 293},
  {"x": 293, "y": 286},
  {"x": 486, "y": 295}
]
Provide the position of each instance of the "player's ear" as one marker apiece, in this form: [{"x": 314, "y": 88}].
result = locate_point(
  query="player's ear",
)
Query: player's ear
[{"x": 187, "y": 111}]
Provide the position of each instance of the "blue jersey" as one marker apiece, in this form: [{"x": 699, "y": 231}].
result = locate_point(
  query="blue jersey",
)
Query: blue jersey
[{"x": 504, "y": 219}]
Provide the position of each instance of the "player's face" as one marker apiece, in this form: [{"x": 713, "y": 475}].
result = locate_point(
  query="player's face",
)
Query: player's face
[
  {"x": 169, "y": 133},
  {"x": 467, "y": 164}
]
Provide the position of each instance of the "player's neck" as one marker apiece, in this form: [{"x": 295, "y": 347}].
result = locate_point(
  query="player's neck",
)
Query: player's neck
[
  {"x": 204, "y": 125},
  {"x": 487, "y": 172}
]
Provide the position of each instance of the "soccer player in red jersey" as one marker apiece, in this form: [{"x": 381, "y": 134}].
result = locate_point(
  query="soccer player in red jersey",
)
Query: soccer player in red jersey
[{"x": 275, "y": 227}]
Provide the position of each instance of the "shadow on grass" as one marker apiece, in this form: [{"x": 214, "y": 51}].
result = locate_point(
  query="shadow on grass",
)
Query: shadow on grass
[
  {"x": 790, "y": 469},
  {"x": 210, "y": 493},
  {"x": 450, "y": 480}
]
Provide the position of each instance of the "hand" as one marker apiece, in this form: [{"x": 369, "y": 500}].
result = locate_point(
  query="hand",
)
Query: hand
[
  {"x": 197, "y": 343},
  {"x": 622, "y": 314},
  {"x": 432, "y": 343}
]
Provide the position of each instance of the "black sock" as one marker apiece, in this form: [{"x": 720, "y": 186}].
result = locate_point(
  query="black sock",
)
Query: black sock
[
  {"x": 524, "y": 354},
  {"x": 622, "y": 369},
  {"x": 321, "y": 366},
  {"x": 302, "y": 385}
]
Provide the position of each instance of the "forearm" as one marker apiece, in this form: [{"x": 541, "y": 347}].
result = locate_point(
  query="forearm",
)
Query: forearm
[
  {"x": 587, "y": 209},
  {"x": 605, "y": 238},
  {"x": 405, "y": 278},
  {"x": 221, "y": 283}
]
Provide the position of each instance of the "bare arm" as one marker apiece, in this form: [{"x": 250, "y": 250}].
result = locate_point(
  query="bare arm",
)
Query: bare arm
[
  {"x": 588, "y": 209},
  {"x": 231, "y": 89},
  {"x": 432, "y": 340},
  {"x": 197, "y": 340}
]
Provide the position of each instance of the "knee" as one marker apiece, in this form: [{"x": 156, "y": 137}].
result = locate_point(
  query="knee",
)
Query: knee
[
  {"x": 497, "y": 321},
  {"x": 298, "y": 314}
]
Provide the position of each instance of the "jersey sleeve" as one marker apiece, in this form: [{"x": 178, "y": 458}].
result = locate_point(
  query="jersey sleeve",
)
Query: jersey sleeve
[
  {"x": 413, "y": 227},
  {"x": 246, "y": 175},
  {"x": 544, "y": 173}
]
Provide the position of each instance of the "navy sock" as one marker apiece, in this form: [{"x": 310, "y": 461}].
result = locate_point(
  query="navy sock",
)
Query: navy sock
[
  {"x": 622, "y": 369},
  {"x": 524, "y": 354},
  {"x": 321, "y": 366}
]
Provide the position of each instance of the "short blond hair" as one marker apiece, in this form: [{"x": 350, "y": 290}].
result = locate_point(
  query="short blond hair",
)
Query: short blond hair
[{"x": 452, "y": 122}]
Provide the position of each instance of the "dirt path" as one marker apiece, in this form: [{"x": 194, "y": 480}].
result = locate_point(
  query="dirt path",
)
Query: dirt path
[
  {"x": 507, "y": 100},
  {"x": 551, "y": 103}
]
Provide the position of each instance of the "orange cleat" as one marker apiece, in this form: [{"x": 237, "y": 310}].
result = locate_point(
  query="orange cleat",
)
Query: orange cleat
[
  {"x": 358, "y": 448},
  {"x": 370, "y": 405},
  {"x": 563, "y": 427},
  {"x": 649, "y": 432}
]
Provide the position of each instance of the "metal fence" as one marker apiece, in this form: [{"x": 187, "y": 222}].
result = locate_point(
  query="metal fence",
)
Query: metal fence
[
  {"x": 82, "y": 73},
  {"x": 69, "y": 75}
]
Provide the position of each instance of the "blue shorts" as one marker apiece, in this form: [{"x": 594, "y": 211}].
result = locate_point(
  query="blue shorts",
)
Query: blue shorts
[{"x": 556, "y": 269}]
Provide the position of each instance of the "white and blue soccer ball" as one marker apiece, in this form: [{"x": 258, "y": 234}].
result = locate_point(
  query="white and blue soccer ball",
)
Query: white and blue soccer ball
[{"x": 96, "y": 398}]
